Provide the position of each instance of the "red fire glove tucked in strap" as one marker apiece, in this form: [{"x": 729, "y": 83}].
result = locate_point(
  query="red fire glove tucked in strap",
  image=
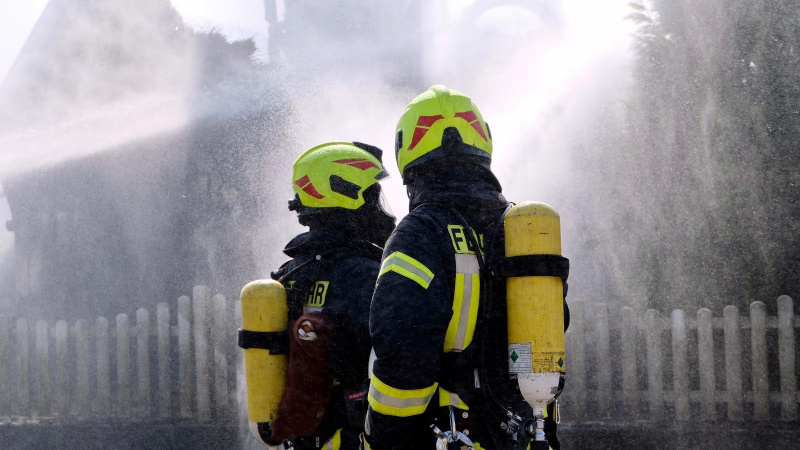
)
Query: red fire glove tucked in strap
[{"x": 303, "y": 405}]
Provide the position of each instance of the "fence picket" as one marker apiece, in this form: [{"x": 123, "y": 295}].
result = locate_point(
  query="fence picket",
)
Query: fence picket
[
  {"x": 705, "y": 357},
  {"x": 680, "y": 367},
  {"x": 23, "y": 367},
  {"x": 758, "y": 342},
  {"x": 123, "y": 365},
  {"x": 221, "y": 331},
  {"x": 82, "y": 368},
  {"x": 200, "y": 300},
  {"x": 576, "y": 365},
  {"x": 603, "y": 353},
  {"x": 629, "y": 332},
  {"x": 143, "y": 360},
  {"x": 655, "y": 371},
  {"x": 786, "y": 358},
  {"x": 42, "y": 369},
  {"x": 103, "y": 375},
  {"x": 164, "y": 391},
  {"x": 185, "y": 355},
  {"x": 62, "y": 368},
  {"x": 205, "y": 341},
  {"x": 5, "y": 361},
  {"x": 733, "y": 362}
]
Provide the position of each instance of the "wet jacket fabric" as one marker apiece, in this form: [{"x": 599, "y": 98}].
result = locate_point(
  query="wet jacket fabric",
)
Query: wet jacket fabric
[
  {"x": 330, "y": 279},
  {"x": 424, "y": 314},
  {"x": 426, "y": 322}
]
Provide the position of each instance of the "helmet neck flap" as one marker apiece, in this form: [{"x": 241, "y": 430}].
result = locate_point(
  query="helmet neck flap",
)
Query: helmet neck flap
[
  {"x": 370, "y": 221},
  {"x": 458, "y": 180}
]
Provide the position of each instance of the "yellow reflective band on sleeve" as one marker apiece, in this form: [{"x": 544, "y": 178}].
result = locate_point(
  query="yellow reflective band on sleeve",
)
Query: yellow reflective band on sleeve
[
  {"x": 466, "y": 298},
  {"x": 408, "y": 267},
  {"x": 447, "y": 398},
  {"x": 398, "y": 402},
  {"x": 335, "y": 442}
]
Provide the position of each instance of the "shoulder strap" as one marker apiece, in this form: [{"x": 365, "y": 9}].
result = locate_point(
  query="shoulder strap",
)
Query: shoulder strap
[{"x": 303, "y": 274}]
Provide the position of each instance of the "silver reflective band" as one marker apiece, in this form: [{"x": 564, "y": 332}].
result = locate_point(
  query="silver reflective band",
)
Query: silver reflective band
[
  {"x": 400, "y": 263},
  {"x": 466, "y": 267},
  {"x": 453, "y": 399},
  {"x": 463, "y": 318},
  {"x": 399, "y": 402}
]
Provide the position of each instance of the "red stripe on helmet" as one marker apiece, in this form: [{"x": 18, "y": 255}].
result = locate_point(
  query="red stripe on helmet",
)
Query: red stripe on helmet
[
  {"x": 479, "y": 129},
  {"x": 312, "y": 191},
  {"x": 364, "y": 165},
  {"x": 419, "y": 133},
  {"x": 304, "y": 183},
  {"x": 425, "y": 122},
  {"x": 469, "y": 116},
  {"x": 428, "y": 121},
  {"x": 358, "y": 163}
]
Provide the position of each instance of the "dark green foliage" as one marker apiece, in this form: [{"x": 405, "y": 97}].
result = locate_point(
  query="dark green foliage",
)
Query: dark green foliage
[{"x": 707, "y": 164}]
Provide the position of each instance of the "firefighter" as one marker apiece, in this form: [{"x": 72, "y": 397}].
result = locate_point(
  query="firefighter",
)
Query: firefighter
[
  {"x": 329, "y": 283},
  {"x": 439, "y": 360}
]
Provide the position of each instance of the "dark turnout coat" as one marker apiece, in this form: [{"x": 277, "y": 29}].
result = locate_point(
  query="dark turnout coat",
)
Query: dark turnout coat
[
  {"x": 329, "y": 285},
  {"x": 427, "y": 323}
]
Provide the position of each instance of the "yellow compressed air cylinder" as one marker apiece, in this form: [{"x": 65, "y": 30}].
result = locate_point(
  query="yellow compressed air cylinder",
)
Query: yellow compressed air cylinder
[
  {"x": 264, "y": 309},
  {"x": 535, "y": 305}
]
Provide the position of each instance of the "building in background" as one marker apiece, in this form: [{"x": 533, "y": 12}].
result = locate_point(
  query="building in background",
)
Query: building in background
[
  {"x": 140, "y": 144},
  {"x": 146, "y": 151}
]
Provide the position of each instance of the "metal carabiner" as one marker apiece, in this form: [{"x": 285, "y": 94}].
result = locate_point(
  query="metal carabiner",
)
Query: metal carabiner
[{"x": 447, "y": 438}]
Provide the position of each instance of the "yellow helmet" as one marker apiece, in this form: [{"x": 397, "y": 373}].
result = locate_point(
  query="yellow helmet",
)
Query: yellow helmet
[
  {"x": 336, "y": 174},
  {"x": 439, "y": 122}
]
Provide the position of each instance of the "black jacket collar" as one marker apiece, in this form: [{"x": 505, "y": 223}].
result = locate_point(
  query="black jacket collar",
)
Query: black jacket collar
[
  {"x": 474, "y": 189},
  {"x": 326, "y": 239}
]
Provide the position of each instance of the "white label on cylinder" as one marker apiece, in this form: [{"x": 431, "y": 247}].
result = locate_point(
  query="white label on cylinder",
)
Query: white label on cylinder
[{"x": 519, "y": 358}]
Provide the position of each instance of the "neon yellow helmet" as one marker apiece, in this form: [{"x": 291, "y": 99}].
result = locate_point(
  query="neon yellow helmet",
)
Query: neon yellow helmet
[
  {"x": 437, "y": 123},
  {"x": 336, "y": 174}
]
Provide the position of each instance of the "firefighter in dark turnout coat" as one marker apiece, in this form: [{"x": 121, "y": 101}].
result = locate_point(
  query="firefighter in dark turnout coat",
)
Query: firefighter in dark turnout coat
[
  {"x": 434, "y": 346},
  {"x": 329, "y": 283}
]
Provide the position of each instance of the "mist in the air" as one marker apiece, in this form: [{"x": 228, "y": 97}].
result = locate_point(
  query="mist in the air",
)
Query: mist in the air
[
  {"x": 146, "y": 147},
  {"x": 538, "y": 72}
]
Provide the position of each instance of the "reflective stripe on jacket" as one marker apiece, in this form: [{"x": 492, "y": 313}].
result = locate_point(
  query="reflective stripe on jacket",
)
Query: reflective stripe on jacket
[{"x": 423, "y": 321}]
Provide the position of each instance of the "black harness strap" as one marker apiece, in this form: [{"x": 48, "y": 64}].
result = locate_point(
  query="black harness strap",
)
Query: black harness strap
[
  {"x": 533, "y": 266},
  {"x": 277, "y": 342}
]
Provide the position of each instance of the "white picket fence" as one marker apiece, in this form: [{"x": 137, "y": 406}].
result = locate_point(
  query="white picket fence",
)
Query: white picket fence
[
  {"x": 183, "y": 367},
  {"x": 649, "y": 367},
  {"x": 620, "y": 364}
]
